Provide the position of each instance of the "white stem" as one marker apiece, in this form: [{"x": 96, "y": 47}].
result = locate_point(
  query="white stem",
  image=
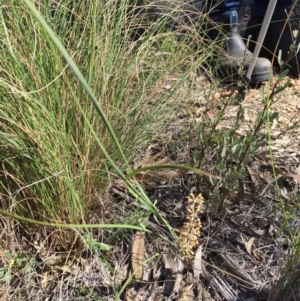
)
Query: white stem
[{"x": 261, "y": 37}]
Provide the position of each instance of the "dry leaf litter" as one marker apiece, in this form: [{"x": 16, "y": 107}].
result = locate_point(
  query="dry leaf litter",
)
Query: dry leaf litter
[{"x": 236, "y": 255}]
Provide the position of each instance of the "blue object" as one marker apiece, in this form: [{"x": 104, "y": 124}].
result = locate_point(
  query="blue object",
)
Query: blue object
[{"x": 226, "y": 6}]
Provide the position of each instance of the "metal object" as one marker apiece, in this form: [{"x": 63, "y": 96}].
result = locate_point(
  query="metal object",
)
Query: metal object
[{"x": 261, "y": 37}]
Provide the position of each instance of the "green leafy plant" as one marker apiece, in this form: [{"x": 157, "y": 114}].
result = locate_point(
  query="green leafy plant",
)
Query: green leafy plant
[{"x": 15, "y": 263}]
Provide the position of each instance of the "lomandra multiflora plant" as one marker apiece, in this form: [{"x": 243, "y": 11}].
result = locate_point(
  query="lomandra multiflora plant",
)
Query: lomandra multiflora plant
[{"x": 191, "y": 230}]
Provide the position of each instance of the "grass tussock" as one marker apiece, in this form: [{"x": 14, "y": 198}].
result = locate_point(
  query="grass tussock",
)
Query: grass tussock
[{"x": 52, "y": 167}]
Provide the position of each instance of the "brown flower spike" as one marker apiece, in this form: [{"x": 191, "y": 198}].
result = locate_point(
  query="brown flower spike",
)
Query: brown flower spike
[{"x": 191, "y": 230}]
